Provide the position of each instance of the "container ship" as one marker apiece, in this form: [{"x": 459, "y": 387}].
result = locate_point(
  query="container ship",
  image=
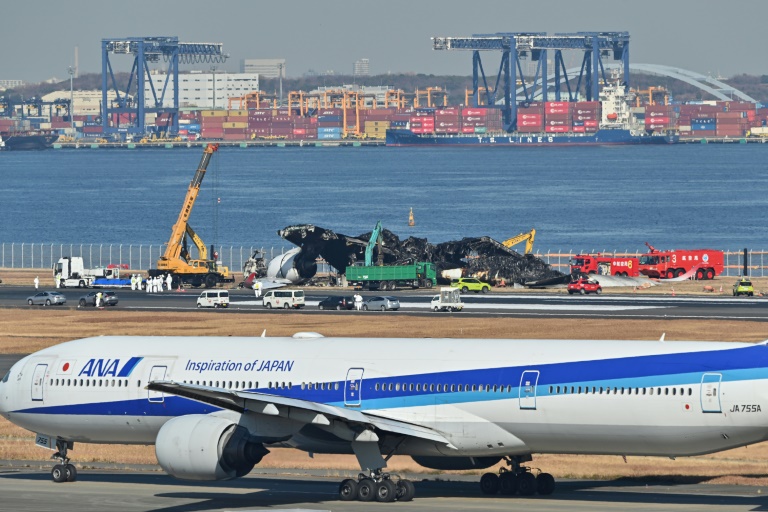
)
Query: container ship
[
  {"x": 12, "y": 141},
  {"x": 549, "y": 123}
]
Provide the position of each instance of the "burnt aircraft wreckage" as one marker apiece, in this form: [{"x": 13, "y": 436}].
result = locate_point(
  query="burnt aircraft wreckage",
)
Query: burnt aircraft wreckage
[{"x": 483, "y": 256}]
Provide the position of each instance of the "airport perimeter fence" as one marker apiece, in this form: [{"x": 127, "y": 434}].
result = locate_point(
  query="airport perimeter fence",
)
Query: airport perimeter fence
[
  {"x": 124, "y": 256},
  {"x": 143, "y": 257}
]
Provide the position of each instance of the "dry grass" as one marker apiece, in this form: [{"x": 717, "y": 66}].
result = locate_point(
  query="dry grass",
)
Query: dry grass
[{"x": 23, "y": 331}]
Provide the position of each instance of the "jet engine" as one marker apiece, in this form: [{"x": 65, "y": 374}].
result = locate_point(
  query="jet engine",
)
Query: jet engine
[
  {"x": 200, "y": 447},
  {"x": 293, "y": 266},
  {"x": 455, "y": 463}
]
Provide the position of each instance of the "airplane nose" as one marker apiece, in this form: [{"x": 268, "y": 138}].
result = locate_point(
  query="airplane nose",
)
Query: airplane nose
[{"x": 5, "y": 394}]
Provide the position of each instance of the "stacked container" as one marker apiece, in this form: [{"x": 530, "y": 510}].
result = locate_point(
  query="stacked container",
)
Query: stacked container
[
  {"x": 660, "y": 118},
  {"x": 447, "y": 120},
  {"x": 423, "y": 120},
  {"x": 585, "y": 116},
  {"x": 530, "y": 118},
  {"x": 212, "y": 124}
]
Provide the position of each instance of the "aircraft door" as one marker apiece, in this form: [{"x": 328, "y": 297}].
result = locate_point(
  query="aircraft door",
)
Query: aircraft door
[
  {"x": 528, "y": 381},
  {"x": 38, "y": 380},
  {"x": 710, "y": 392},
  {"x": 157, "y": 373},
  {"x": 353, "y": 387}
]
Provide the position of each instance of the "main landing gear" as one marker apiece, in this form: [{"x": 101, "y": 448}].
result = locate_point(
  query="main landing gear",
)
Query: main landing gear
[
  {"x": 63, "y": 472},
  {"x": 378, "y": 486},
  {"x": 517, "y": 479}
]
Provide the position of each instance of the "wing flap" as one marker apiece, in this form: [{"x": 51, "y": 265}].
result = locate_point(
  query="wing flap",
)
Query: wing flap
[{"x": 300, "y": 410}]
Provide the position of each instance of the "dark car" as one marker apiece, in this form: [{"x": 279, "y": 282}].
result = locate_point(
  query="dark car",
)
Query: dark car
[
  {"x": 381, "y": 303},
  {"x": 337, "y": 302},
  {"x": 89, "y": 299}
]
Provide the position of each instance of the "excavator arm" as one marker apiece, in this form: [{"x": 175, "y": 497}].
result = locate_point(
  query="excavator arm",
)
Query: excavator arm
[
  {"x": 375, "y": 238},
  {"x": 527, "y": 237},
  {"x": 175, "y": 242}
]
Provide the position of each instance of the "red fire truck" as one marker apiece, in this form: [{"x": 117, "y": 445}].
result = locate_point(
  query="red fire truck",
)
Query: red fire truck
[
  {"x": 605, "y": 265},
  {"x": 707, "y": 263}
]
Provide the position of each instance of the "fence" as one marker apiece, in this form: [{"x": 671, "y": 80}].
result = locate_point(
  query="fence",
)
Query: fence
[
  {"x": 142, "y": 257},
  {"x": 135, "y": 257}
]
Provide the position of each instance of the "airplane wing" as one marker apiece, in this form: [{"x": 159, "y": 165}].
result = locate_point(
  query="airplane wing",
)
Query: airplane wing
[
  {"x": 296, "y": 409},
  {"x": 269, "y": 283}
]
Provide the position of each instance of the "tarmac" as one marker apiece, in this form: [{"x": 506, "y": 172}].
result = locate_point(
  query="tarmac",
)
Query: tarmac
[{"x": 29, "y": 488}]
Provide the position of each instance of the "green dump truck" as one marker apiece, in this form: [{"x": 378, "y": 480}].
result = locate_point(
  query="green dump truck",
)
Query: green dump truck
[{"x": 419, "y": 275}]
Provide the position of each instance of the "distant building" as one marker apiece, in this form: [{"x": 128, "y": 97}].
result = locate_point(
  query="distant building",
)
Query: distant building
[
  {"x": 196, "y": 89},
  {"x": 5, "y": 84},
  {"x": 84, "y": 103},
  {"x": 267, "y": 68},
  {"x": 361, "y": 68}
]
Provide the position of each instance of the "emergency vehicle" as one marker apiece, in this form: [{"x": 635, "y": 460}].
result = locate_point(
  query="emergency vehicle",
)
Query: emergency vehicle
[
  {"x": 706, "y": 263},
  {"x": 605, "y": 265}
]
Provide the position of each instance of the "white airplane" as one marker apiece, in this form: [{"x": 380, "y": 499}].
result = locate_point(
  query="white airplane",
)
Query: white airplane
[{"x": 213, "y": 406}]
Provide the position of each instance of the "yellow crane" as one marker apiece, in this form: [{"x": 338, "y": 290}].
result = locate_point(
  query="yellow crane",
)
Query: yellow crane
[
  {"x": 527, "y": 237},
  {"x": 176, "y": 259}
]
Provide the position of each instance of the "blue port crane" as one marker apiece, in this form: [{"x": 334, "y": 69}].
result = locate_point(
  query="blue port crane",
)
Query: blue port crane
[
  {"x": 147, "y": 50},
  {"x": 516, "y": 46}
]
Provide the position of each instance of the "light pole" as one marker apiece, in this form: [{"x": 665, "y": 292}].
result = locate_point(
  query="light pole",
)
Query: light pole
[
  {"x": 280, "y": 76},
  {"x": 213, "y": 70},
  {"x": 71, "y": 72}
]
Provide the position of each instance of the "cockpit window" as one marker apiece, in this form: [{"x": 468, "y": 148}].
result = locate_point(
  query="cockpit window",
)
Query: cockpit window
[{"x": 7, "y": 375}]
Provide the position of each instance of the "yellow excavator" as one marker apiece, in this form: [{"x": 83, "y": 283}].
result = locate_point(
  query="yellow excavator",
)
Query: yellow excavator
[
  {"x": 176, "y": 260},
  {"x": 527, "y": 237}
]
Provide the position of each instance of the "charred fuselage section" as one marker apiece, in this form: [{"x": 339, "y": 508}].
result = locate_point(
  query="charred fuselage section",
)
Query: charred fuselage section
[{"x": 482, "y": 257}]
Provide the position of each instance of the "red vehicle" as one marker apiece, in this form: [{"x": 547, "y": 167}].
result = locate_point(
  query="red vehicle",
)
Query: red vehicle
[
  {"x": 605, "y": 265},
  {"x": 705, "y": 263},
  {"x": 583, "y": 286}
]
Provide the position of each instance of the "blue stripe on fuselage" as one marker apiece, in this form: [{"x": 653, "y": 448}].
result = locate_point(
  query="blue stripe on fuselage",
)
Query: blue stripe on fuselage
[{"x": 749, "y": 363}]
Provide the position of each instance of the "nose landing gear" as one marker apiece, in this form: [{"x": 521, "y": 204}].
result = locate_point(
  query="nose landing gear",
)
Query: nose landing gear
[{"x": 64, "y": 471}]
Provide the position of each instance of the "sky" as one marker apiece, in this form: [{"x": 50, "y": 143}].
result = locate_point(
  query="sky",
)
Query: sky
[{"x": 39, "y": 37}]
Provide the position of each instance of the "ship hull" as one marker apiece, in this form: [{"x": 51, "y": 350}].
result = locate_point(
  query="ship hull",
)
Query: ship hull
[
  {"x": 13, "y": 142},
  {"x": 398, "y": 138}
]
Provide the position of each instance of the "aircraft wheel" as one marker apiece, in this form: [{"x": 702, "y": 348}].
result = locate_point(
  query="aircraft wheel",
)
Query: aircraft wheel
[
  {"x": 527, "y": 484},
  {"x": 508, "y": 483},
  {"x": 366, "y": 490},
  {"x": 386, "y": 491},
  {"x": 545, "y": 484},
  {"x": 348, "y": 490},
  {"x": 59, "y": 473},
  {"x": 489, "y": 483},
  {"x": 405, "y": 490},
  {"x": 71, "y": 473}
]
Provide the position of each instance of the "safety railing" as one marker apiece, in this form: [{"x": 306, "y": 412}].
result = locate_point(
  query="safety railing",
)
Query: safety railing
[
  {"x": 143, "y": 256},
  {"x": 126, "y": 256}
]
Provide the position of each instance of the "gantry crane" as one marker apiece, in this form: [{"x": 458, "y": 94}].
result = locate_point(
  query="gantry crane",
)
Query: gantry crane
[
  {"x": 176, "y": 260},
  {"x": 527, "y": 237}
]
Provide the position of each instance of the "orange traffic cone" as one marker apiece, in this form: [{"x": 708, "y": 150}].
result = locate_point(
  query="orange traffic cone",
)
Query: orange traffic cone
[{"x": 673, "y": 292}]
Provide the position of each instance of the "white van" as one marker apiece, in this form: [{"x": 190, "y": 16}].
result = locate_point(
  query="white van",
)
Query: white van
[
  {"x": 283, "y": 299},
  {"x": 213, "y": 299}
]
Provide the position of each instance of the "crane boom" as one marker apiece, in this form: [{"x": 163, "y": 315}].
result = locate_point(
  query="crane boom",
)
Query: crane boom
[
  {"x": 375, "y": 238},
  {"x": 173, "y": 248},
  {"x": 528, "y": 237}
]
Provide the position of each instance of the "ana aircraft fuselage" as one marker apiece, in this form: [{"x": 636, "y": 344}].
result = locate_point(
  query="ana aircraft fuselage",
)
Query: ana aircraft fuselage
[{"x": 446, "y": 402}]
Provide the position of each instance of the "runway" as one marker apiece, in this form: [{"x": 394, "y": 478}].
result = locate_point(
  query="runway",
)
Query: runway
[{"x": 95, "y": 491}]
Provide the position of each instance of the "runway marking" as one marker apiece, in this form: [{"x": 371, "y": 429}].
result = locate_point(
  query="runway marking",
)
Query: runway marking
[{"x": 515, "y": 307}]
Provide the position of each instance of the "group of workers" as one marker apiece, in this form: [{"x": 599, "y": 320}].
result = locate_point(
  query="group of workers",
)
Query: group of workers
[{"x": 154, "y": 284}]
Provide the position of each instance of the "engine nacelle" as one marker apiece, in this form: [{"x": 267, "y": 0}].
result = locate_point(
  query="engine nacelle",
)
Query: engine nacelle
[
  {"x": 455, "y": 463},
  {"x": 200, "y": 447}
]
